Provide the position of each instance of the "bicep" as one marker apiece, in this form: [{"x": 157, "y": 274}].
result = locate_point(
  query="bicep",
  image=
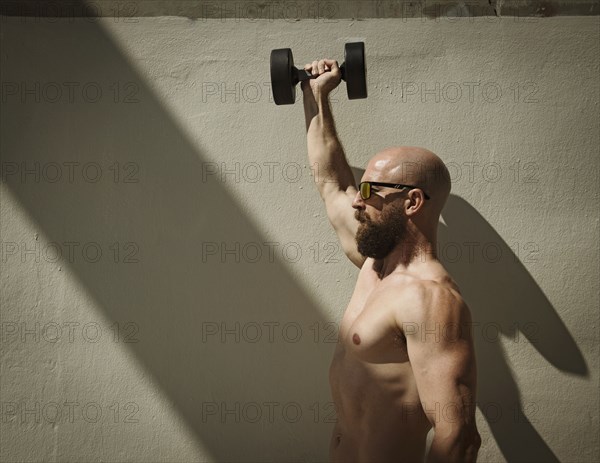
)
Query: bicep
[{"x": 341, "y": 216}]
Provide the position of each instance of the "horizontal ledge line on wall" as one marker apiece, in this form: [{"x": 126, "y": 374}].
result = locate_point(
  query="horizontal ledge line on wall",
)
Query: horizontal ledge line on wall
[{"x": 299, "y": 9}]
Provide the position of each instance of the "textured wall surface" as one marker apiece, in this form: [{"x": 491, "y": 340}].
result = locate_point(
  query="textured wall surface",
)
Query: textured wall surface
[{"x": 170, "y": 285}]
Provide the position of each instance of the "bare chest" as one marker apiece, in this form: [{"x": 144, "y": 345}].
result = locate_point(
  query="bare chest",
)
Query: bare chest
[
  {"x": 369, "y": 333},
  {"x": 370, "y": 369}
]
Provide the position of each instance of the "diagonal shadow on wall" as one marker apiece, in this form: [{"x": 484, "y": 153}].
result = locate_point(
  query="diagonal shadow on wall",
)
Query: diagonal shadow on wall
[{"x": 176, "y": 290}]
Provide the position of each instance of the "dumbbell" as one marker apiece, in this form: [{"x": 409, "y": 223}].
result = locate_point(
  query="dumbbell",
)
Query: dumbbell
[{"x": 284, "y": 76}]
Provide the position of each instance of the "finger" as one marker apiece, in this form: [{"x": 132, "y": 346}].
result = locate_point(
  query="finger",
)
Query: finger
[
  {"x": 321, "y": 65},
  {"x": 315, "y": 69},
  {"x": 333, "y": 64},
  {"x": 308, "y": 67}
]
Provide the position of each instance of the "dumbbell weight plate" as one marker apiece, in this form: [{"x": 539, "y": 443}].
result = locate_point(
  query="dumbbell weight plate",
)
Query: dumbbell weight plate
[
  {"x": 355, "y": 72},
  {"x": 283, "y": 84}
]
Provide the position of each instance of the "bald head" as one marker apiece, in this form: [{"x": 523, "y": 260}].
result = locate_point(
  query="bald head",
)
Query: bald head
[{"x": 416, "y": 166}]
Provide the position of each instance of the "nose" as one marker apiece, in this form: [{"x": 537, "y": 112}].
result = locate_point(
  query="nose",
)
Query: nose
[{"x": 358, "y": 202}]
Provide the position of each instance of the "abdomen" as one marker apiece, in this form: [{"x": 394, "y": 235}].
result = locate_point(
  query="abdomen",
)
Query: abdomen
[{"x": 377, "y": 409}]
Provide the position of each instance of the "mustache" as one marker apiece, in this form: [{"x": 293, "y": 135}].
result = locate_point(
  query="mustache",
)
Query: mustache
[{"x": 361, "y": 216}]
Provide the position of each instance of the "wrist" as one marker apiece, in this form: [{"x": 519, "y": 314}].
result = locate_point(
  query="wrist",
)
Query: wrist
[{"x": 318, "y": 104}]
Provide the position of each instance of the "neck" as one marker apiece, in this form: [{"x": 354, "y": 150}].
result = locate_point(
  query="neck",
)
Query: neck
[{"x": 417, "y": 249}]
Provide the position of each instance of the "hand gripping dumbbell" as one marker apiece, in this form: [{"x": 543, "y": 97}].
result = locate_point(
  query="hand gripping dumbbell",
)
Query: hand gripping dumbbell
[{"x": 284, "y": 76}]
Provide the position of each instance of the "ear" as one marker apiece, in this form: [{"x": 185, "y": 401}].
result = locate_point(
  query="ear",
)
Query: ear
[{"x": 415, "y": 202}]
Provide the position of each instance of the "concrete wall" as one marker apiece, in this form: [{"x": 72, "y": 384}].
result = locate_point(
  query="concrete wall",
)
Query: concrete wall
[{"x": 171, "y": 287}]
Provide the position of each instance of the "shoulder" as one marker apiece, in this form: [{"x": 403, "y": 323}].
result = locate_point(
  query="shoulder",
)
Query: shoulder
[{"x": 429, "y": 301}]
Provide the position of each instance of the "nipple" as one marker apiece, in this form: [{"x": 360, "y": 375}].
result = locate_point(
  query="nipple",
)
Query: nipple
[{"x": 356, "y": 339}]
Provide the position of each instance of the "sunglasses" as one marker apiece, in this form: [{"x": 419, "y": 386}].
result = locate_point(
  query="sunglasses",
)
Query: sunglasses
[{"x": 365, "y": 188}]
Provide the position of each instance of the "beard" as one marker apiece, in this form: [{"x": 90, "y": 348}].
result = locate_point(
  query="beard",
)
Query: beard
[{"x": 377, "y": 240}]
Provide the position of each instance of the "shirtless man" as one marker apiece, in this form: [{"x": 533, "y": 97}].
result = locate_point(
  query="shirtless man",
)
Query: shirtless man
[{"x": 404, "y": 361}]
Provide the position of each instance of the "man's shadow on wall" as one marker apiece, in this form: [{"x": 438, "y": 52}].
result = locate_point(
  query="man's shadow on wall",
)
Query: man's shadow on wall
[
  {"x": 505, "y": 301},
  {"x": 504, "y": 298}
]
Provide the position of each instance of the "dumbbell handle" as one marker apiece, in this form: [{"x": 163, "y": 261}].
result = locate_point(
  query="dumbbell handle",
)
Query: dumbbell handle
[{"x": 303, "y": 74}]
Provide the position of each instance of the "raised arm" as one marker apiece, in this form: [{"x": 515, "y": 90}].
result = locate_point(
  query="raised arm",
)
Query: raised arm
[{"x": 333, "y": 175}]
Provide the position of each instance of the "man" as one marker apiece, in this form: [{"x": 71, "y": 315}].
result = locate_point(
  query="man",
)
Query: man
[{"x": 404, "y": 361}]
